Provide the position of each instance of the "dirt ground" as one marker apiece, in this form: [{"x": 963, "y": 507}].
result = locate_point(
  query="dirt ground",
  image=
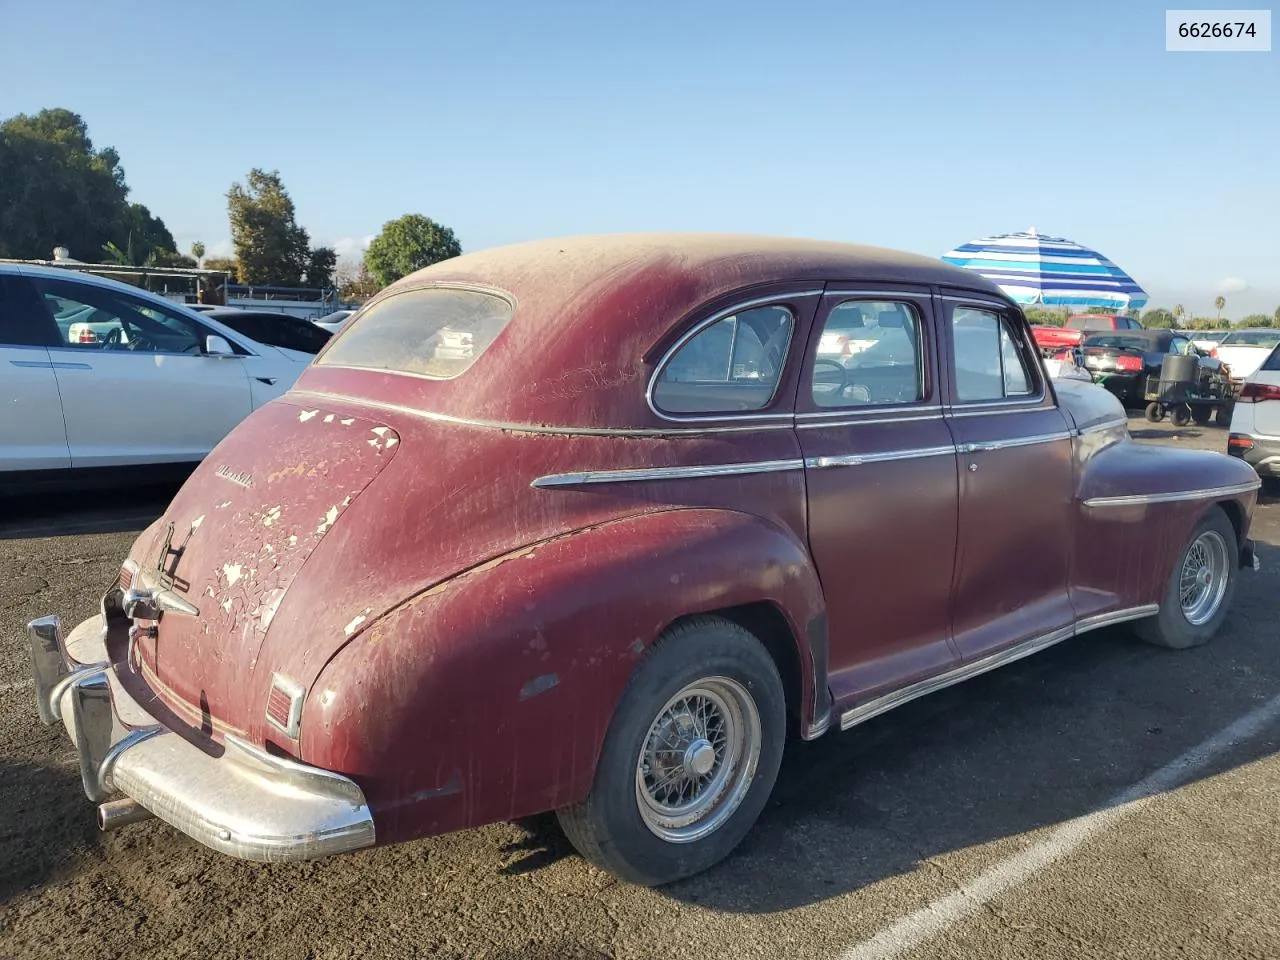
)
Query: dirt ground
[{"x": 1003, "y": 818}]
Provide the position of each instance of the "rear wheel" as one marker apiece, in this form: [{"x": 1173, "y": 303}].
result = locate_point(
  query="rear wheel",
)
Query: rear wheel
[
  {"x": 1202, "y": 413},
  {"x": 1155, "y": 412},
  {"x": 690, "y": 757},
  {"x": 1180, "y": 415},
  {"x": 1200, "y": 587}
]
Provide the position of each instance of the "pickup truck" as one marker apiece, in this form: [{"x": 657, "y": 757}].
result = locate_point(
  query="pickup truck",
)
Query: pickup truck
[{"x": 1051, "y": 340}]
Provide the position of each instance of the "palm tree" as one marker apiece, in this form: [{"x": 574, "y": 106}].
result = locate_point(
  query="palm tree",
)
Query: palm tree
[
  {"x": 129, "y": 256},
  {"x": 1179, "y": 311},
  {"x": 197, "y": 251},
  {"x": 1219, "y": 302}
]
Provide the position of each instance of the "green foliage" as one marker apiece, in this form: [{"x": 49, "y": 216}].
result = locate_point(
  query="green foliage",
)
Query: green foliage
[
  {"x": 408, "y": 244},
  {"x": 1256, "y": 320},
  {"x": 355, "y": 283},
  {"x": 1106, "y": 311},
  {"x": 227, "y": 264},
  {"x": 1276, "y": 317},
  {"x": 321, "y": 264},
  {"x": 57, "y": 189},
  {"x": 197, "y": 250},
  {"x": 171, "y": 258},
  {"x": 271, "y": 248},
  {"x": 1204, "y": 323},
  {"x": 1158, "y": 318},
  {"x": 1218, "y": 304},
  {"x": 1046, "y": 316}
]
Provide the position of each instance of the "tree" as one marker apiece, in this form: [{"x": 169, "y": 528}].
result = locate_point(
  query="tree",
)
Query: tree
[
  {"x": 354, "y": 282},
  {"x": 1276, "y": 317},
  {"x": 1158, "y": 318},
  {"x": 1179, "y": 311},
  {"x": 57, "y": 189},
  {"x": 408, "y": 244},
  {"x": 225, "y": 264},
  {"x": 1219, "y": 302},
  {"x": 270, "y": 246},
  {"x": 1045, "y": 317},
  {"x": 1256, "y": 320},
  {"x": 197, "y": 251},
  {"x": 320, "y": 267}
]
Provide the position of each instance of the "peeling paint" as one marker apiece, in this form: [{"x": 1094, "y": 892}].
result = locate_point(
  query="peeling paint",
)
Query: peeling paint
[
  {"x": 226, "y": 605},
  {"x": 347, "y": 422},
  {"x": 392, "y": 441},
  {"x": 380, "y": 431},
  {"x": 293, "y": 540},
  {"x": 354, "y": 625},
  {"x": 272, "y": 516},
  {"x": 195, "y": 524},
  {"x": 233, "y": 572},
  {"x": 306, "y": 415},
  {"x": 330, "y": 516},
  {"x": 328, "y": 418},
  {"x": 327, "y": 698},
  {"x": 224, "y": 503},
  {"x": 539, "y": 685}
]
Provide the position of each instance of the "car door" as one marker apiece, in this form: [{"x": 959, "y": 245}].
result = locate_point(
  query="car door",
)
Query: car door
[
  {"x": 135, "y": 382},
  {"x": 1014, "y": 459},
  {"x": 32, "y": 434},
  {"x": 882, "y": 490}
]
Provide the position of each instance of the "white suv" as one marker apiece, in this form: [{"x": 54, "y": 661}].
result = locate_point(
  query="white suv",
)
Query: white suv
[
  {"x": 101, "y": 376},
  {"x": 1255, "y": 421}
]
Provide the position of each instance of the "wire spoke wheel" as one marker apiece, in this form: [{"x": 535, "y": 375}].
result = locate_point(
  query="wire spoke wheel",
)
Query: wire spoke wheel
[
  {"x": 698, "y": 759},
  {"x": 1203, "y": 581}
]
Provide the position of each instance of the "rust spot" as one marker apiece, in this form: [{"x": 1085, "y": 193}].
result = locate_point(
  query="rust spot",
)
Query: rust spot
[{"x": 539, "y": 685}]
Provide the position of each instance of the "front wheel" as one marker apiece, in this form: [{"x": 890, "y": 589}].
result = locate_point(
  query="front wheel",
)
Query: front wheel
[
  {"x": 1200, "y": 588},
  {"x": 1155, "y": 412},
  {"x": 689, "y": 759},
  {"x": 1181, "y": 415}
]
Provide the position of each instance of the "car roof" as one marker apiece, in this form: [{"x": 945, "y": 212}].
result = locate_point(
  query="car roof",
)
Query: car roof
[{"x": 593, "y": 314}]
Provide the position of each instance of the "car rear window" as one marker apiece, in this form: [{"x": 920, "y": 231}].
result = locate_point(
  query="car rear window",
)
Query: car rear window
[
  {"x": 436, "y": 332},
  {"x": 1251, "y": 338},
  {"x": 1273, "y": 361},
  {"x": 1120, "y": 342}
]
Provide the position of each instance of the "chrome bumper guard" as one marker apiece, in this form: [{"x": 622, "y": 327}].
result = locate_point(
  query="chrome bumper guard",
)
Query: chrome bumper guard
[{"x": 243, "y": 802}]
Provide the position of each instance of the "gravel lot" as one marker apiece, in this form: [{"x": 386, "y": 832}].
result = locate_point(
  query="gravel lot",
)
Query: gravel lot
[{"x": 966, "y": 824}]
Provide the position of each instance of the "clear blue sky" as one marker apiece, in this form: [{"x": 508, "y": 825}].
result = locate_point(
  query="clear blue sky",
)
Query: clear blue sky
[{"x": 910, "y": 125}]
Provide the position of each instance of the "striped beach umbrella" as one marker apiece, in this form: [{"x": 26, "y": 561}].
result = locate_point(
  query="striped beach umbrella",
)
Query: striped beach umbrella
[{"x": 1033, "y": 268}]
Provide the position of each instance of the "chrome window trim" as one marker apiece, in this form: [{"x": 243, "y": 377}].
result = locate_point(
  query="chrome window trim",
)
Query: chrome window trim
[
  {"x": 859, "y": 459},
  {"x": 666, "y": 473},
  {"x": 847, "y": 421},
  {"x": 997, "y": 407},
  {"x": 984, "y": 446},
  {"x": 702, "y": 325},
  {"x": 881, "y": 411},
  {"x": 691, "y": 430},
  {"x": 921, "y": 357},
  {"x": 1036, "y": 370},
  {"x": 871, "y": 294},
  {"x": 966, "y": 671},
  {"x": 978, "y": 299},
  {"x": 1204, "y": 493}
]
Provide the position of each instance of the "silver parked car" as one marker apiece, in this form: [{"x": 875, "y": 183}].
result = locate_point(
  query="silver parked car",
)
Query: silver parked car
[{"x": 1255, "y": 421}]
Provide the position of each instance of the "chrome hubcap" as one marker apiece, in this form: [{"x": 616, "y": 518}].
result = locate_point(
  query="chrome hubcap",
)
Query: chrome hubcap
[
  {"x": 1203, "y": 582},
  {"x": 698, "y": 759}
]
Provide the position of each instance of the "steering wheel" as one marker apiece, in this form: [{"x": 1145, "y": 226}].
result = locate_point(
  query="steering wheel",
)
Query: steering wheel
[
  {"x": 111, "y": 339},
  {"x": 829, "y": 385},
  {"x": 138, "y": 341}
]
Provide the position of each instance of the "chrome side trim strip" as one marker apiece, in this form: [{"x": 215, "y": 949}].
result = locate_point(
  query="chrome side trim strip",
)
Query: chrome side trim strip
[
  {"x": 1104, "y": 425},
  {"x": 1014, "y": 442},
  {"x": 665, "y": 473},
  {"x": 888, "y": 410},
  {"x": 1028, "y": 405},
  {"x": 858, "y": 459},
  {"x": 676, "y": 430},
  {"x": 966, "y": 671},
  {"x": 1205, "y": 493},
  {"x": 702, "y": 325}
]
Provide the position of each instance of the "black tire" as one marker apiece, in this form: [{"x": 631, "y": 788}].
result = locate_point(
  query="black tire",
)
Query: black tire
[
  {"x": 1202, "y": 413},
  {"x": 1155, "y": 412},
  {"x": 1171, "y": 627},
  {"x": 1180, "y": 415},
  {"x": 608, "y": 828}
]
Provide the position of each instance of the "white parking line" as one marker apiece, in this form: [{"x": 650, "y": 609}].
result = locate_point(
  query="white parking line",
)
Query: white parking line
[{"x": 935, "y": 918}]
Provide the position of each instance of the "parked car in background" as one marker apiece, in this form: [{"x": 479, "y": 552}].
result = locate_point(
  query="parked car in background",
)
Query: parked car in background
[
  {"x": 1243, "y": 351},
  {"x": 1123, "y": 361},
  {"x": 274, "y": 329},
  {"x": 1207, "y": 341},
  {"x": 1255, "y": 422},
  {"x": 607, "y": 558},
  {"x": 333, "y": 322},
  {"x": 101, "y": 377},
  {"x": 1052, "y": 339}
]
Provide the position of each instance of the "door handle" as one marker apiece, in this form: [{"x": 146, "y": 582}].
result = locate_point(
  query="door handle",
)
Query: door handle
[
  {"x": 973, "y": 468},
  {"x": 32, "y": 363}
]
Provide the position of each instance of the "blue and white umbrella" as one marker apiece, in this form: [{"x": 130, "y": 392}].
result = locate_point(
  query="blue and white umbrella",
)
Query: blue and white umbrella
[{"x": 1033, "y": 268}]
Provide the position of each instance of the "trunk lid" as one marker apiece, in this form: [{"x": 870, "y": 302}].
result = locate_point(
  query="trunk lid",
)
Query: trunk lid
[
  {"x": 1242, "y": 360},
  {"x": 236, "y": 536}
]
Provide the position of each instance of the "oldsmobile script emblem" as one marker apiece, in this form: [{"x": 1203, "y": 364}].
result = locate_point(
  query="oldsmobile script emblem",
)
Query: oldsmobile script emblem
[{"x": 235, "y": 476}]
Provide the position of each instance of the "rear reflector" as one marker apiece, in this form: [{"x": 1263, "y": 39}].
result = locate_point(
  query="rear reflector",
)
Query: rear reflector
[
  {"x": 1258, "y": 392},
  {"x": 284, "y": 706},
  {"x": 126, "y": 578},
  {"x": 1240, "y": 443}
]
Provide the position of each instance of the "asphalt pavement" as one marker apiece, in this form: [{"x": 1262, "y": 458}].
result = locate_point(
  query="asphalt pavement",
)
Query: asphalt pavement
[{"x": 1101, "y": 799}]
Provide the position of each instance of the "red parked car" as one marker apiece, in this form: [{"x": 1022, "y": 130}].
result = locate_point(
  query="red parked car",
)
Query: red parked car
[
  {"x": 1071, "y": 335},
  {"x": 590, "y": 526}
]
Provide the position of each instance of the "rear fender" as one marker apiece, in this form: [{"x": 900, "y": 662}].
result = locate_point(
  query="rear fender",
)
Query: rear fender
[{"x": 487, "y": 697}]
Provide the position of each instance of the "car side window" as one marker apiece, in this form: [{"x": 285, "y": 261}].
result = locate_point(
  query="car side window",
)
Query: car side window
[
  {"x": 97, "y": 318},
  {"x": 869, "y": 353},
  {"x": 1180, "y": 346},
  {"x": 735, "y": 364},
  {"x": 989, "y": 363}
]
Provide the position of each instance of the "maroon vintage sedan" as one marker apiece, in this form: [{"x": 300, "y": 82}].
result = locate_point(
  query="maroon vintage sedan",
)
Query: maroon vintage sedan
[{"x": 594, "y": 525}]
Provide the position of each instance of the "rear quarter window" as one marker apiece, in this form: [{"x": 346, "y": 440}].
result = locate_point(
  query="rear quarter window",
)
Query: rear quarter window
[
  {"x": 1272, "y": 363},
  {"x": 437, "y": 332}
]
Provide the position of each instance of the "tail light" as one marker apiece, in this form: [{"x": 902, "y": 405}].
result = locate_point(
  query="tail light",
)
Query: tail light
[
  {"x": 284, "y": 705},
  {"x": 1129, "y": 364},
  {"x": 1258, "y": 392},
  {"x": 1239, "y": 443}
]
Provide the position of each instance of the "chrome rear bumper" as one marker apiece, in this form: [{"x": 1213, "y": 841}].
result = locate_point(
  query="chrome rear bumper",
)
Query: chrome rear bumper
[{"x": 232, "y": 796}]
